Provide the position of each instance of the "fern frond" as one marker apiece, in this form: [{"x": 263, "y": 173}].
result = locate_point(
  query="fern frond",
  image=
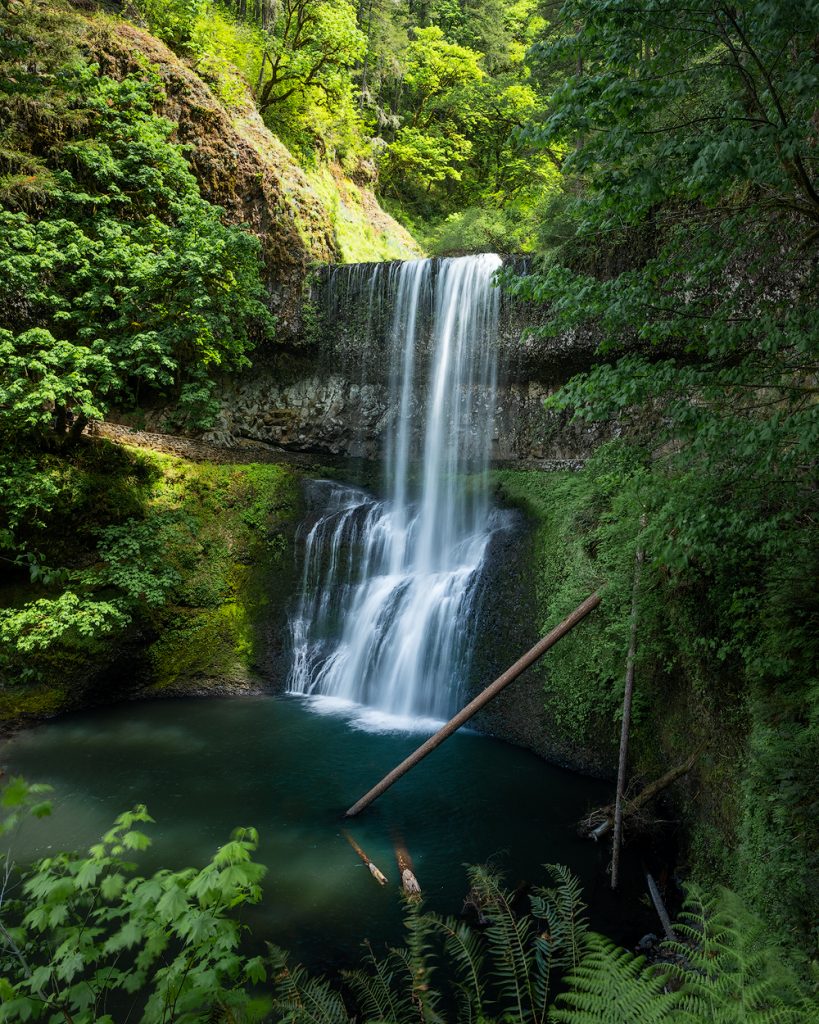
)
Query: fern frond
[
  {"x": 417, "y": 959},
  {"x": 562, "y": 909},
  {"x": 611, "y": 986},
  {"x": 300, "y": 999},
  {"x": 727, "y": 971},
  {"x": 376, "y": 992},
  {"x": 463, "y": 948},
  {"x": 510, "y": 943},
  {"x": 562, "y": 928}
]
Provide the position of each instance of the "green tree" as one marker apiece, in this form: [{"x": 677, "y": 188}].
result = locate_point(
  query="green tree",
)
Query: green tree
[
  {"x": 424, "y": 158},
  {"x": 432, "y": 145},
  {"x": 311, "y": 44},
  {"x": 434, "y": 67},
  {"x": 448, "y": 104},
  {"x": 686, "y": 236},
  {"x": 172, "y": 20},
  {"x": 692, "y": 144}
]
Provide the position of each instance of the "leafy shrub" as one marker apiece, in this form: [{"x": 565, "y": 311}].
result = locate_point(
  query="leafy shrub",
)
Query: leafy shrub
[{"x": 131, "y": 281}]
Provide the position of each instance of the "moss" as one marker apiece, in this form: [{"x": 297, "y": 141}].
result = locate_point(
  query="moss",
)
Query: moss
[
  {"x": 225, "y": 531},
  {"x": 241, "y": 517},
  {"x": 582, "y": 676},
  {"x": 211, "y": 643},
  {"x": 364, "y": 232},
  {"x": 749, "y": 805},
  {"x": 21, "y": 703}
]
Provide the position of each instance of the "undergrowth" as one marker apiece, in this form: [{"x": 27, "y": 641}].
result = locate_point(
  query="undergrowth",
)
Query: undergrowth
[
  {"x": 138, "y": 546},
  {"x": 725, "y": 666}
]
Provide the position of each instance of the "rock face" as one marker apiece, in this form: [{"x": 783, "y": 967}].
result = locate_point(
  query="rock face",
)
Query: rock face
[
  {"x": 334, "y": 398},
  {"x": 511, "y": 621},
  {"x": 242, "y": 167},
  {"x": 239, "y": 164}
]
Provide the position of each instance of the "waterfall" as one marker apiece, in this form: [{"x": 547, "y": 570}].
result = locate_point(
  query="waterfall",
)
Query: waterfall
[{"x": 388, "y": 599}]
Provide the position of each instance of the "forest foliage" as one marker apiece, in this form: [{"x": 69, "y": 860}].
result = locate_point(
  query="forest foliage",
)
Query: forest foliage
[
  {"x": 118, "y": 282},
  {"x": 86, "y": 937},
  {"x": 115, "y": 274},
  {"x": 684, "y": 236},
  {"x": 424, "y": 99},
  {"x": 662, "y": 165}
]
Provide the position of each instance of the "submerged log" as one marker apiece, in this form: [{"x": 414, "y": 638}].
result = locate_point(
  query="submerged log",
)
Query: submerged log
[
  {"x": 377, "y": 875},
  {"x": 475, "y": 705},
  {"x": 600, "y": 822},
  {"x": 409, "y": 883}
]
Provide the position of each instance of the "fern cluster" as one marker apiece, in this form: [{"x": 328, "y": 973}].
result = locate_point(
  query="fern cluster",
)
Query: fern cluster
[
  {"x": 721, "y": 970},
  {"x": 502, "y": 972},
  {"x": 64, "y": 935}
]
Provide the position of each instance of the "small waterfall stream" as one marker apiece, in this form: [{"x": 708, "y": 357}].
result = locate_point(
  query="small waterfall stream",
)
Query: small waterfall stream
[{"x": 389, "y": 590}]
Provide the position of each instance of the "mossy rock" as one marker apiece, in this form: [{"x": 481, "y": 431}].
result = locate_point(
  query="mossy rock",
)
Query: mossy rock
[
  {"x": 21, "y": 704},
  {"x": 212, "y": 643},
  {"x": 226, "y": 533}
]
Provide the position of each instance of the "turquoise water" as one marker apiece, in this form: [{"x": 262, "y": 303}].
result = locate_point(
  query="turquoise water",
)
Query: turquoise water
[{"x": 206, "y": 766}]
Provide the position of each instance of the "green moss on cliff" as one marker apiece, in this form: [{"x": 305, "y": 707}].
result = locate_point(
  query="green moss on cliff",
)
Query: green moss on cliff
[
  {"x": 19, "y": 703},
  {"x": 582, "y": 676},
  {"x": 749, "y": 805},
  {"x": 364, "y": 233},
  {"x": 193, "y": 557},
  {"x": 241, "y": 515}
]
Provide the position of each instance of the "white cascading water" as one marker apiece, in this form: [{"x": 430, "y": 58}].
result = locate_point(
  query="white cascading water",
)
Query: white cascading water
[{"x": 389, "y": 589}]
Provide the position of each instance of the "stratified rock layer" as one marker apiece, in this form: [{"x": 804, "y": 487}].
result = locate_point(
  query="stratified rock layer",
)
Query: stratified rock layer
[{"x": 335, "y": 397}]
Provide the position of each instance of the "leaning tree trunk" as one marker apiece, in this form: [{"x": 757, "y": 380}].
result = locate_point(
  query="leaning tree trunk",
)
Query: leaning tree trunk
[
  {"x": 626, "y": 723},
  {"x": 475, "y": 705}
]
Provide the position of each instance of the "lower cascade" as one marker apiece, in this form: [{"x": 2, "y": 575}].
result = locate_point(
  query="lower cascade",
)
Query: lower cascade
[{"x": 390, "y": 587}]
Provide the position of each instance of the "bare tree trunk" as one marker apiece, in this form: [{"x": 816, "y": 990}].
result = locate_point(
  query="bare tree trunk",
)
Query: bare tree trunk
[
  {"x": 472, "y": 708},
  {"x": 626, "y": 723},
  {"x": 659, "y": 906}
]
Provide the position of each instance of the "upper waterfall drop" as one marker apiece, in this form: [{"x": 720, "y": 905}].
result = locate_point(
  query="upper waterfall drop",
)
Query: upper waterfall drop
[{"x": 389, "y": 590}]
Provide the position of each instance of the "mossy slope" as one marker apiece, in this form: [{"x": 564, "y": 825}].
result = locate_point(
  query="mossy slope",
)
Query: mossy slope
[
  {"x": 748, "y": 806},
  {"x": 240, "y": 165},
  {"x": 222, "y": 536},
  {"x": 363, "y": 232}
]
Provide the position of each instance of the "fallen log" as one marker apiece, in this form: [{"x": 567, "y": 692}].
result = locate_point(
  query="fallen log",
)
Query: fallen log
[
  {"x": 377, "y": 875},
  {"x": 659, "y": 906},
  {"x": 600, "y": 822},
  {"x": 475, "y": 705},
  {"x": 409, "y": 883}
]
